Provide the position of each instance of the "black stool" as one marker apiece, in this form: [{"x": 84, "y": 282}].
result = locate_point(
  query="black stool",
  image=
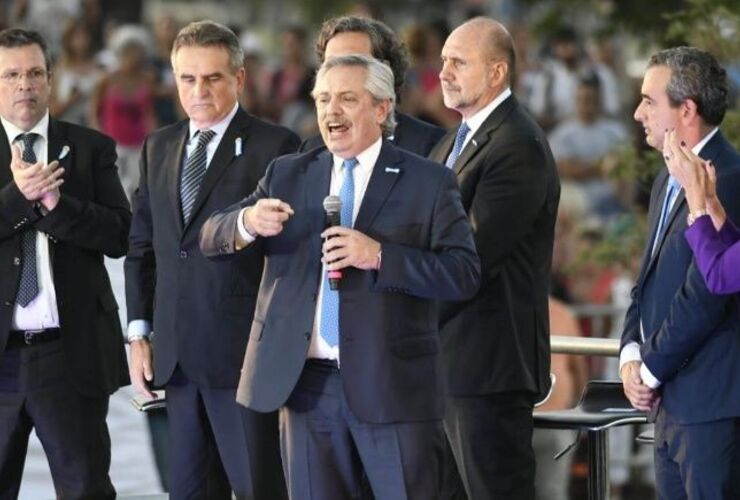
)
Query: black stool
[{"x": 603, "y": 405}]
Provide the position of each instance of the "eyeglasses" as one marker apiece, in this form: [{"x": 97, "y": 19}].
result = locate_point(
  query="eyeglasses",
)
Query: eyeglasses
[{"x": 34, "y": 76}]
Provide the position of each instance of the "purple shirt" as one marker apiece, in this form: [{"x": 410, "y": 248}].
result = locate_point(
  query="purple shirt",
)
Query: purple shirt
[{"x": 717, "y": 254}]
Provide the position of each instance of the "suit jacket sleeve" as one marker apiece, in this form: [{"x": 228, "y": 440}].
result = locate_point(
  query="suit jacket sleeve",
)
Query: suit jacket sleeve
[
  {"x": 218, "y": 234},
  {"x": 695, "y": 313},
  {"x": 717, "y": 258},
  {"x": 449, "y": 269},
  {"x": 507, "y": 201},
  {"x": 16, "y": 212},
  {"x": 99, "y": 224}
]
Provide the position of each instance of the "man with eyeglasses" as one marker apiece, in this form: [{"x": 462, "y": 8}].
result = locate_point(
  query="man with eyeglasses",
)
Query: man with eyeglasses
[{"x": 62, "y": 208}]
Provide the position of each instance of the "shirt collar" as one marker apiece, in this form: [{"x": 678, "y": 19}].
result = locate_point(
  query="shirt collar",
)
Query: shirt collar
[
  {"x": 219, "y": 128},
  {"x": 475, "y": 121},
  {"x": 41, "y": 128},
  {"x": 365, "y": 159},
  {"x": 700, "y": 145}
]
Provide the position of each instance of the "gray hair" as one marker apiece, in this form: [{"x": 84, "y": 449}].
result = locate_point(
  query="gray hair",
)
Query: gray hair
[
  {"x": 379, "y": 82},
  {"x": 210, "y": 34},
  {"x": 695, "y": 75}
]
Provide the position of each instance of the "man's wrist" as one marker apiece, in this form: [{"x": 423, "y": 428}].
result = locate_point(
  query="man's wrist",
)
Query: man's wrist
[{"x": 137, "y": 337}]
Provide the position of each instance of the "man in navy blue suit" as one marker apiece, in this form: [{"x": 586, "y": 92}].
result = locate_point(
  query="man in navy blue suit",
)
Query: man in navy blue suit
[
  {"x": 341, "y": 36},
  {"x": 354, "y": 371},
  {"x": 680, "y": 352}
]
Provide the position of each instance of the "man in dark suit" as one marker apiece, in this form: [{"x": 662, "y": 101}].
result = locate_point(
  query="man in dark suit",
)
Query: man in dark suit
[
  {"x": 354, "y": 370},
  {"x": 496, "y": 347},
  {"x": 200, "y": 310},
  {"x": 680, "y": 352},
  {"x": 341, "y": 36},
  {"x": 62, "y": 208}
]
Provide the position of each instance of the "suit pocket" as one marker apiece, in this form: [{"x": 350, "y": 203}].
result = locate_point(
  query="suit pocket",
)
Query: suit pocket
[
  {"x": 403, "y": 234},
  {"x": 416, "y": 346}
]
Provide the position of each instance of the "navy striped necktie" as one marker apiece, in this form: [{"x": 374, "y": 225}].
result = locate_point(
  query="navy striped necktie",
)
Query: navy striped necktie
[{"x": 193, "y": 173}]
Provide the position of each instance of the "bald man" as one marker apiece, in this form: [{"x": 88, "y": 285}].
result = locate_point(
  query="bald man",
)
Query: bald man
[{"x": 495, "y": 348}]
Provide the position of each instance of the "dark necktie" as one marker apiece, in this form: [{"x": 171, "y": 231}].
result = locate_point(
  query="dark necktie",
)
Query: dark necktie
[
  {"x": 462, "y": 133},
  {"x": 193, "y": 173},
  {"x": 29, "y": 285},
  {"x": 330, "y": 300}
]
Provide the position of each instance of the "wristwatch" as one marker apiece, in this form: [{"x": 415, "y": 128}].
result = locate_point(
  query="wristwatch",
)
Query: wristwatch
[{"x": 691, "y": 218}]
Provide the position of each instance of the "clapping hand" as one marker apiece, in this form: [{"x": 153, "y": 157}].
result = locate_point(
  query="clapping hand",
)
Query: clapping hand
[{"x": 38, "y": 181}]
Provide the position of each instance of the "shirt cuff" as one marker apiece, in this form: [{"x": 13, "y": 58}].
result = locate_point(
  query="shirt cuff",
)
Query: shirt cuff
[
  {"x": 243, "y": 233},
  {"x": 648, "y": 378},
  {"x": 630, "y": 352},
  {"x": 139, "y": 328}
]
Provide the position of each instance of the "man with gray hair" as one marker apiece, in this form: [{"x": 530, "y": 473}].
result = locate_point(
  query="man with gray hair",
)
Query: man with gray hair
[
  {"x": 344, "y": 339},
  {"x": 680, "y": 349},
  {"x": 199, "y": 310}
]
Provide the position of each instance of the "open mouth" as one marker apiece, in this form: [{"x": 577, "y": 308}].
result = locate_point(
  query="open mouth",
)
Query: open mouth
[{"x": 337, "y": 128}]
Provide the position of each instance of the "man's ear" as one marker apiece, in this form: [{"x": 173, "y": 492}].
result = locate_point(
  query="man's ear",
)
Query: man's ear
[{"x": 689, "y": 111}]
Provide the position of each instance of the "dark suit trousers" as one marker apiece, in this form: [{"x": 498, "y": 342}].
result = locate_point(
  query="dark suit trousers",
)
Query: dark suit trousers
[
  {"x": 328, "y": 452},
  {"x": 205, "y": 420},
  {"x": 34, "y": 393},
  {"x": 491, "y": 441},
  {"x": 697, "y": 461}
]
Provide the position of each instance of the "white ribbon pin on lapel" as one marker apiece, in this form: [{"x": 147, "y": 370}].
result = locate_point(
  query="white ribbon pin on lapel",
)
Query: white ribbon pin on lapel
[
  {"x": 393, "y": 170},
  {"x": 64, "y": 152},
  {"x": 238, "y": 146}
]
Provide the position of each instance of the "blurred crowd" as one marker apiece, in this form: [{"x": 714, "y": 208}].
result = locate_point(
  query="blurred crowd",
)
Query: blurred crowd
[{"x": 113, "y": 73}]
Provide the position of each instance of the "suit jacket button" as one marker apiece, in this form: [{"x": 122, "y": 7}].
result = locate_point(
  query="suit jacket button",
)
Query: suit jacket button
[
  {"x": 8, "y": 303},
  {"x": 307, "y": 335},
  {"x": 183, "y": 254},
  {"x": 16, "y": 261}
]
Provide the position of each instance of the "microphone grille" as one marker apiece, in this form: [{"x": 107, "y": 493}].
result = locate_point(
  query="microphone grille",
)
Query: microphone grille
[{"x": 332, "y": 204}]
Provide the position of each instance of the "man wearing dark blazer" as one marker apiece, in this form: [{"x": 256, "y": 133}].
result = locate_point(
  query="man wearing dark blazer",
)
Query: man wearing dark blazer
[
  {"x": 495, "y": 347},
  {"x": 341, "y": 36},
  {"x": 353, "y": 370},
  {"x": 62, "y": 208},
  {"x": 200, "y": 310},
  {"x": 680, "y": 349}
]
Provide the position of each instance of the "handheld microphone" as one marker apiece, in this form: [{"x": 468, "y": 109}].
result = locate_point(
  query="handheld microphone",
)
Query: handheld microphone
[{"x": 333, "y": 209}]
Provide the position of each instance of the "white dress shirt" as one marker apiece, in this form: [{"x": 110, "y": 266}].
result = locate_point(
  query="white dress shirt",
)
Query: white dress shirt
[
  {"x": 477, "y": 119},
  {"x": 143, "y": 327},
  {"x": 42, "y": 311},
  {"x": 631, "y": 351}
]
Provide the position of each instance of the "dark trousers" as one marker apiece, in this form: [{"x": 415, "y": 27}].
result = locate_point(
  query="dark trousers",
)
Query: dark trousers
[
  {"x": 328, "y": 452},
  {"x": 697, "y": 461},
  {"x": 35, "y": 394},
  {"x": 490, "y": 438},
  {"x": 204, "y": 421}
]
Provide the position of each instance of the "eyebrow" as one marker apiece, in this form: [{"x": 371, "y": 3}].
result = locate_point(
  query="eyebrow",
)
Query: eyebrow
[{"x": 645, "y": 96}]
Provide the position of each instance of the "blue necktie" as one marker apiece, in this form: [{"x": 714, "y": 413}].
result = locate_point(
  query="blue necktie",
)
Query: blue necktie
[
  {"x": 670, "y": 197},
  {"x": 28, "y": 288},
  {"x": 462, "y": 133},
  {"x": 330, "y": 300}
]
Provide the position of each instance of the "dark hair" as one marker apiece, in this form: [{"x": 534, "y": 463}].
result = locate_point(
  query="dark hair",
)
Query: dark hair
[
  {"x": 210, "y": 34},
  {"x": 385, "y": 44},
  {"x": 12, "y": 38},
  {"x": 695, "y": 75}
]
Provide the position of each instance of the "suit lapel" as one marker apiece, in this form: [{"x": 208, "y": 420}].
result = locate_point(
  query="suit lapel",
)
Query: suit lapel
[
  {"x": 483, "y": 134},
  {"x": 173, "y": 158},
  {"x": 222, "y": 158},
  {"x": 317, "y": 173},
  {"x": 6, "y": 176},
  {"x": 386, "y": 173}
]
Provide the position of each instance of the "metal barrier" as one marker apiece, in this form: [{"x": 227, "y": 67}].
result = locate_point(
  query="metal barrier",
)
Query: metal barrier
[{"x": 584, "y": 345}]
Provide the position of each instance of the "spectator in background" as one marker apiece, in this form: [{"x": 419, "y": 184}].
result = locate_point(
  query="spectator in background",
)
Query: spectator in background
[
  {"x": 165, "y": 107},
  {"x": 253, "y": 98},
  {"x": 75, "y": 75},
  {"x": 122, "y": 105},
  {"x": 571, "y": 374},
  {"x": 581, "y": 143},
  {"x": 290, "y": 85},
  {"x": 554, "y": 90}
]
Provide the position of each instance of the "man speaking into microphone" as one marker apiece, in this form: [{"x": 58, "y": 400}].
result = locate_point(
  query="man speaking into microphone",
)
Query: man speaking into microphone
[{"x": 353, "y": 370}]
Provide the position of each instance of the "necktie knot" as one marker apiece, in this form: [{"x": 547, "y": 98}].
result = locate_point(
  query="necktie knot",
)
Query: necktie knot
[
  {"x": 462, "y": 133},
  {"x": 204, "y": 137},
  {"x": 349, "y": 164},
  {"x": 29, "y": 139}
]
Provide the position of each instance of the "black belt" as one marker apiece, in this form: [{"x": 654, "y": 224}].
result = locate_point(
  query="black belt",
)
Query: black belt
[{"x": 22, "y": 338}]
